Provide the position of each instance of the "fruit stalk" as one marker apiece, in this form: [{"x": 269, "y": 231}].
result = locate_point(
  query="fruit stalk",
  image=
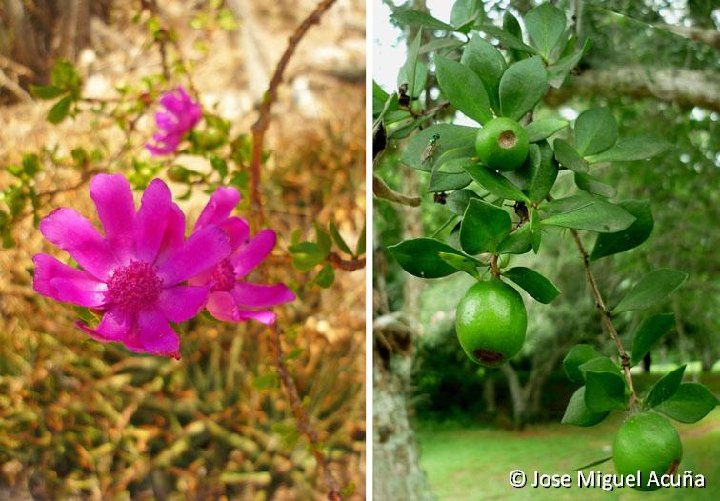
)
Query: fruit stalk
[{"x": 606, "y": 318}]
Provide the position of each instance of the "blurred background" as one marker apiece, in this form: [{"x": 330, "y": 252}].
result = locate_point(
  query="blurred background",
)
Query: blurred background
[
  {"x": 84, "y": 420},
  {"x": 460, "y": 429}
]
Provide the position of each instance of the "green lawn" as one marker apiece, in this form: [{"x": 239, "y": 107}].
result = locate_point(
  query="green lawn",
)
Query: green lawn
[{"x": 474, "y": 464}]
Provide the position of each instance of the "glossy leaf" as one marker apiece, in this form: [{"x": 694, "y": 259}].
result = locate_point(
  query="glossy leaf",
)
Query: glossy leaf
[
  {"x": 420, "y": 257},
  {"x": 545, "y": 25},
  {"x": 522, "y": 86},
  {"x": 538, "y": 286},
  {"x": 458, "y": 201},
  {"x": 577, "y": 412},
  {"x": 463, "y": 88},
  {"x": 517, "y": 242},
  {"x": 451, "y": 137},
  {"x": 506, "y": 39},
  {"x": 604, "y": 391},
  {"x": 419, "y": 18},
  {"x": 595, "y": 131},
  {"x": 577, "y": 356},
  {"x": 541, "y": 171},
  {"x": 339, "y": 241},
  {"x": 592, "y": 214},
  {"x": 600, "y": 364},
  {"x": 633, "y": 148},
  {"x": 414, "y": 71},
  {"x": 495, "y": 183},
  {"x": 544, "y": 128},
  {"x": 558, "y": 71},
  {"x": 568, "y": 157},
  {"x": 636, "y": 234},
  {"x": 488, "y": 63},
  {"x": 483, "y": 227},
  {"x": 665, "y": 387},
  {"x": 592, "y": 185},
  {"x": 651, "y": 329},
  {"x": 535, "y": 230},
  {"x": 60, "y": 110},
  {"x": 464, "y": 12},
  {"x": 690, "y": 403},
  {"x": 651, "y": 289},
  {"x": 461, "y": 262},
  {"x": 450, "y": 175}
]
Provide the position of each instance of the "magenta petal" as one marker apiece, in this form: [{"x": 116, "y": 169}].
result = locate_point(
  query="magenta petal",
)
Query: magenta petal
[
  {"x": 63, "y": 283},
  {"x": 114, "y": 202},
  {"x": 247, "y": 257},
  {"x": 179, "y": 304},
  {"x": 73, "y": 233},
  {"x": 264, "y": 317},
  {"x": 203, "y": 250},
  {"x": 219, "y": 207},
  {"x": 237, "y": 229},
  {"x": 151, "y": 219},
  {"x": 222, "y": 306},
  {"x": 261, "y": 296},
  {"x": 116, "y": 325},
  {"x": 156, "y": 334}
]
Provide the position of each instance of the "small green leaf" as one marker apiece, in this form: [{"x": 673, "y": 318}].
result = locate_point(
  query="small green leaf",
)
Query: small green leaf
[
  {"x": 46, "y": 91},
  {"x": 690, "y": 403},
  {"x": 461, "y": 263},
  {"x": 535, "y": 230},
  {"x": 451, "y": 137},
  {"x": 604, "y": 391},
  {"x": 591, "y": 185},
  {"x": 568, "y": 157},
  {"x": 361, "y": 242},
  {"x": 541, "y": 170},
  {"x": 488, "y": 63},
  {"x": 545, "y": 25},
  {"x": 464, "y": 12},
  {"x": 419, "y": 18},
  {"x": 449, "y": 175},
  {"x": 463, "y": 88},
  {"x": 651, "y": 289},
  {"x": 544, "y": 128},
  {"x": 266, "y": 381},
  {"x": 495, "y": 183},
  {"x": 458, "y": 201},
  {"x": 665, "y": 387},
  {"x": 651, "y": 329},
  {"x": 339, "y": 241},
  {"x": 635, "y": 235},
  {"x": 413, "y": 72},
  {"x": 506, "y": 39},
  {"x": 517, "y": 242},
  {"x": 539, "y": 287},
  {"x": 522, "y": 86},
  {"x": 483, "y": 227},
  {"x": 558, "y": 72},
  {"x": 420, "y": 257},
  {"x": 633, "y": 148},
  {"x": 577, "y": 356},
  {"x": 326, "y": 277},
  {"x": 322, "y": 239},
  {"x": 577, "y": 412},
  {"x": 60, "y": 110},
  {"x": 592, "y": 214},
  {"x": 306, "y": 255},
  {"x": 595, "y": 131}
]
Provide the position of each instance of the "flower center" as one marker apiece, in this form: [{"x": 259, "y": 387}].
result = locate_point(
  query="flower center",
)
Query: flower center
[
  {"x": 135, "y": 286},
  {"x": 223, "y": 278}
]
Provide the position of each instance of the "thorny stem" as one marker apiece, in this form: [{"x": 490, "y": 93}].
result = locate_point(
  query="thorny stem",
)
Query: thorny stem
[
  {"x": 605, "y": 316},
  {"x": 301, "y": 416},
  {"x": 259, "y": 128}
]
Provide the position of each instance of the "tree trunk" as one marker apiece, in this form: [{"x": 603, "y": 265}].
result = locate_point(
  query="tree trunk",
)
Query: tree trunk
[{"x": 489, "y": 395}]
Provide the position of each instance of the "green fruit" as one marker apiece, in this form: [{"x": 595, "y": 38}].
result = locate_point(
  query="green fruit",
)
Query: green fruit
[
  {"x": 502, "y": 144},
  {"x": 491, "y": 322},
  {"x": 647, "y": 442}
]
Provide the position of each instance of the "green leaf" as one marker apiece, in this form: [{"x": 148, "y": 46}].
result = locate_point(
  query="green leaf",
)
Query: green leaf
[
  {"x": 440, "y": 44},
  {"x": 419, "y": 18},
  {"x": 651, "y": 329},
  {"x": 690, "y": 403},
  {"x": 600, "y": 364},
  {"x": 665, "y": 387},
  {"x": 60, "y": 110},
  {"x": 577, "y": 356},
  {"x": 506, "y": 39},
  {"x": 577, "y": 412},
  {"x": 361, "y": 242},
  {"x": 464, "y": 12},
  {"x": 604, "y": 391},
  {"x": 488, "y": 63},
  {"x": 306, "y": 255},
  {"x": 461, "y": 263},
  {"x": 325, "y": 278},
  {"x": 595, "y": 131},
  {"x": 463, "y": 88},
  {"x": 413, "y": 72},
  {"x": 558, "y": 72},
  {"x": 592, "y": 185},
  {"x": 544, "y": 128},
  {"x": 541, "y": 170},
  {"x": 448, "y": 175},
  {"x": 495, "y": 183},
  {"x": 452, "y": 137},
  {"x": 322, "y": 239},
  {"x": 46, "y": 91},
  {"x": 592, "y": 214},
  {"x": 535, "y": 230},
  {"x": 517, "y": 242},
  {"x": 651, "y": 289},
  {"x": 483, "y": 227},
  {"x": 522, "y": 86},
  {"x": 540, "y": 288},
  {"x": 633, "y": 148},
  {"x": 339, "y": 241},
  {"x": 379, "y": 99},
  {"x": 638, "y": 232},
  {"x": 64, "y": 76},
  {"x": 420, "y": 257},
  {"x": 594, "y": 463},
  {"x": 458, "y": 201},
  {"x": 568, "y": 157},
  {"x": 545, "y": 25}
]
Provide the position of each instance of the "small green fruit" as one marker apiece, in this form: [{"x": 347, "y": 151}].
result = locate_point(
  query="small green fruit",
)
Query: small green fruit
[
  {"x": 647, "y": 442},
  {"x": 502, "y": 144},
  {"x": 490, "y": 323}
]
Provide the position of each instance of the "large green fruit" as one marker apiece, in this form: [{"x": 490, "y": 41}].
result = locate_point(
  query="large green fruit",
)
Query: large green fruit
[
  {"x": 490, "y": 323},
  {"x": 502, "y": 144},
  {"x": 647, "y": 442}
]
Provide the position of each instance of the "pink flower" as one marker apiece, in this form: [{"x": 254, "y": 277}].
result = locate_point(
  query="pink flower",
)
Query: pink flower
[
  {"x": 180, "y": 116},
  {"x": 231, "y": 298},
  {"x": 132, "y": 273}
]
